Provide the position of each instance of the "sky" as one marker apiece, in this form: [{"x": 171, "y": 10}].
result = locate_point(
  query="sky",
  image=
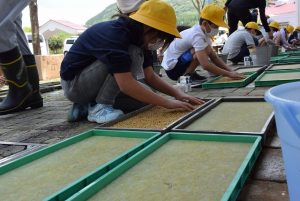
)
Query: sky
[{"x": 75, "y": 11}]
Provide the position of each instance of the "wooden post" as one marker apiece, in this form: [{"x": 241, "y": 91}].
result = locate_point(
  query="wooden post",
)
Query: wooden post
[{"x": 35, "y": 27}]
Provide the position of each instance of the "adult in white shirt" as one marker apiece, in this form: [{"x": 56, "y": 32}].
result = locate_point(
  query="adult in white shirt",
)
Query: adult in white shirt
[
  {"x": 184, "y": 55},
  {"x": 239, "y": 42}
]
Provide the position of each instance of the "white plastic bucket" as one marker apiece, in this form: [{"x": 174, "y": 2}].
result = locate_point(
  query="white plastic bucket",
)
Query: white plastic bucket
[{"x": 285, "y": 99}]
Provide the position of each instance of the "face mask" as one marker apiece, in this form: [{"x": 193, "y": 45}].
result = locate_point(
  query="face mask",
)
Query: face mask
[
  {"x": 155, "y": 46},
  {"x": 213, "y": 31}
]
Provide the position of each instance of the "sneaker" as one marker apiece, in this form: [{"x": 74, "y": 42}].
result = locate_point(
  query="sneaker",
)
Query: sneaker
[
  {"x": 102, "y": 113},
  {"x": 196, "y": 78},
  {"x": 77, "y": 112}
]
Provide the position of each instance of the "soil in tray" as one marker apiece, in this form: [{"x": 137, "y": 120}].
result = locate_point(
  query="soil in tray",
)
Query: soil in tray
[
  {"x": 244, "y": 117},
  {"x": 47, "y": 175},
  {"x": 154, "y": 118},
  {"x": 180, "y": 170},
  {"x": 246, "y": 70},
  {"x": 227, "y": 80},
  {"x": 285, "y": 67},
  {"x": 281, "y": 76}
]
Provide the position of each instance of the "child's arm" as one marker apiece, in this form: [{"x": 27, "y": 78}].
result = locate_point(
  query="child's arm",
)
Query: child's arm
[{"x": 137, "y": 90}]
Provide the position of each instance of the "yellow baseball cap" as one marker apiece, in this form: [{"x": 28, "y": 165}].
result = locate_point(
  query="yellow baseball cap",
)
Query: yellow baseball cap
[
  {"x": 252, "y": 25},
  {"x": 275, "y": 25},
  {"x": 289, "y": 28},
  {"x": 214, "y": 14},
  {"x": 159, "y": 15},
  {"x": 297, "y": 28}
]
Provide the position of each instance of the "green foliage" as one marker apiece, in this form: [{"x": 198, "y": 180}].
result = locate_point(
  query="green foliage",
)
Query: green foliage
[
  {"x": 64, "y": 35},
  {"x": 105, "y": 15},
  {"x": 27, "y": 29},
  {"x": 56, "y": 42},
  {"x": 186, "y": 12},
  {"x": 199, "y": 4},
  {"x": 220, "y": 2}
]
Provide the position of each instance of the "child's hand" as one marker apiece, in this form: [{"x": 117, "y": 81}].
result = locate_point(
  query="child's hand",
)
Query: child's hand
[
  {"x": 180, "y": 105},
  {"x": 189, "y": 99},
  {"x": 236, "y": 76}
]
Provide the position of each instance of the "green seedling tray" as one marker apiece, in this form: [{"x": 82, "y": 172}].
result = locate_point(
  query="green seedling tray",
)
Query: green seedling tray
[
  {"x": 230, "y": 84},
  {"x": 265, "y": 129},
  {"x": 291, "y": 59},
  {"x": 290, "y": 53},
  {"x": 165, "y": 129},
  {"x": 230, "y": 193},
  {"x": 262, "y": 83},
  {"x": 252, "y": 69},
  {"x": 88, "y": 177},
  {"x": 284, "y": 67},
  {"x": 277, "y": 59}
]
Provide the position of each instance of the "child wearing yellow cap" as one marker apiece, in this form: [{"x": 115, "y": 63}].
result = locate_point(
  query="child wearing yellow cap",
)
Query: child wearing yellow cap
[
  {"x": 281, "y": 36},
  {"x": 264, "y": 38},
  {"x": 239, "y": 42},
  {"x": 100, "y": 64},
  {"x": 195, "y": 47},
  {"x": 294, "y": 38}
]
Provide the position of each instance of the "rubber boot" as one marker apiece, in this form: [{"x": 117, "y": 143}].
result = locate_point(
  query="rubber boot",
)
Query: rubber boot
[
  {"x": 33, "y": 78},
  {"x": 19, "y": 91}
]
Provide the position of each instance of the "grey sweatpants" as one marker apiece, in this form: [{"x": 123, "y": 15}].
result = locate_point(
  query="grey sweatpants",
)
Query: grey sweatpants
[
  {"x": 96, "y": 84},
  {"x": 10, "y": 25}
]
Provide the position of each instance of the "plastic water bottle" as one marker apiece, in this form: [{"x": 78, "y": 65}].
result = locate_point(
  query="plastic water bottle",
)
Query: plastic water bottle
[
  {"x": 189, "y": 83},
  {"x": 185, "y": 83},
  {"x": 253, "y": 59},
  {"x": 247, "y": 61}
]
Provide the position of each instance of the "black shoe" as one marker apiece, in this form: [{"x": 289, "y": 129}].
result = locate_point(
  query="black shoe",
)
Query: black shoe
[
  {"x": 77, "y": 112},
  {"x": 234, "y": 63},
  {"x": 196, "y": 78}
]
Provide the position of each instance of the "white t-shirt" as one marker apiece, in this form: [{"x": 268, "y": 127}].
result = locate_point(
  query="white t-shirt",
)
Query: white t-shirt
[
  {"x": 283, "y": 37},
  {"x": 193, "y": 37},
  {"x": 235, "y": 41}
]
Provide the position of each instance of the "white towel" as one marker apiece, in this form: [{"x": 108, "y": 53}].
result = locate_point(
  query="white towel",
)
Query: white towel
[{"x": 129, "y": 6}]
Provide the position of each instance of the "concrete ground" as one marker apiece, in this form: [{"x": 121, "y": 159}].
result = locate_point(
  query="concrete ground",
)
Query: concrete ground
[{"x": 48, "y": 125}]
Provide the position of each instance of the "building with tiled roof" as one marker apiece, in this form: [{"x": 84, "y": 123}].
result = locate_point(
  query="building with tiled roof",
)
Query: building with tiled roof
[{"x": 53, "y": 27}]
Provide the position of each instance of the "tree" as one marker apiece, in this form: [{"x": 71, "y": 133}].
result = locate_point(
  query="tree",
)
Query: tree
[
  {"x": 199, "y": 4},
  {"x": 33, "y": 8},
  {"x": 55, "y": 44}
]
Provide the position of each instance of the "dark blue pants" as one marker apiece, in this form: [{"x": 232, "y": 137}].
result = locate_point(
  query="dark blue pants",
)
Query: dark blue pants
[{"x": 243, "y": 53}]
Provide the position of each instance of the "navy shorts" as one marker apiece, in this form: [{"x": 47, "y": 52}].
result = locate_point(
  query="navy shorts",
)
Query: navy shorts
[{"x": 180, "y": 68}]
